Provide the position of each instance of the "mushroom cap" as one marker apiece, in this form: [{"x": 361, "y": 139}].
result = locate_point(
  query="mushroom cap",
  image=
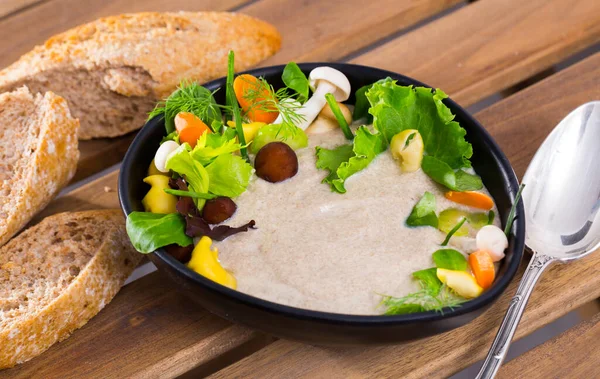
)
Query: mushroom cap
[{"x": 334, "y": 77}]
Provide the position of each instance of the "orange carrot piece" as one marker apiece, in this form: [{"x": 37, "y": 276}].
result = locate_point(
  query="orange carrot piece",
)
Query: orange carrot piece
[
  {"x": 242, "y": 85},
  {"x": 471, "y": 198},
  {"x": 186, "y": 119},
  {"x": 483, "y": 268},
  {"x": 191, "y": 134}
]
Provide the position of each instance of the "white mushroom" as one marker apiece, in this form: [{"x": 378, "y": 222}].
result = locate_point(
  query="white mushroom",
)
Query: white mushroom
[
  {"x": 326, "y": 120},
  {"x": 493, "y": 240},
  {"x": 324, "y": 80},
  {"x": 160, "y": 159}
]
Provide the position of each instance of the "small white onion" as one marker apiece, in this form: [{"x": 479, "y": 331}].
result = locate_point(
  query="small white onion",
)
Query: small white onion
[
  {"x": 160, "y": 159},
  {"x": 493, "y": 240}
]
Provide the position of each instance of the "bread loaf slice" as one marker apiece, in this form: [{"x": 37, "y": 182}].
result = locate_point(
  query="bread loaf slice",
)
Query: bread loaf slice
[
  {"x": 57, "y": 275},
  {"x": 38, "y": 155},
  {"x": 113, "y": 70}
]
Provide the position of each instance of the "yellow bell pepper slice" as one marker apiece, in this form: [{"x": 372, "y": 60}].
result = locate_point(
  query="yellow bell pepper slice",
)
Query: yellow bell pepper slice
[
  {"x": 460, "y": 282},
  {"x": 206, "y": 263},
  {"x": 152, "y": 170},
  {"x": 250, "y": 130},
  {"x": 157, "y": 200}
]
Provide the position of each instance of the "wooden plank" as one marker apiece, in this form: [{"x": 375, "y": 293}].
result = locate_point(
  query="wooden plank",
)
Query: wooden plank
[
  {"x": 491, "y": 45},
  {"x": 309, "y": 32},
  {"x": 55, "y": 16},
  {"x": 573, "y": 354},
  {"x": 519, "y": 124},
  {"x": 7, "y": 7}
]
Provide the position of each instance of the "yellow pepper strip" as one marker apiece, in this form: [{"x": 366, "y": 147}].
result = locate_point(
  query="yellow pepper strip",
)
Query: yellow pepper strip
[
  {"x": 152, "y": 170},
  {"x": 157, "y": 200},
  {"x": 206, "y": 263},
  {"x": 460, "y": 282},
  {"x": 250, "y": 129}
]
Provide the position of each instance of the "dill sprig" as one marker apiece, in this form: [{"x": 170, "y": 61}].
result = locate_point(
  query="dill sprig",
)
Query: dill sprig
[
  {"x": 189, "y": 97},
  {"x": 513, "y": 210},
  {"x": 422, "y": 301},
  {"x": 264, "y": 98}
]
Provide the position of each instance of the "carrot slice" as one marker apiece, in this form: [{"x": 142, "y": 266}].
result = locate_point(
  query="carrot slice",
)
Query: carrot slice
[
  {"x": 471, "y": 198},
  {"x": 483, "y": 268},
  {"x": 191, "y": 134},
  {"x": 249, "y": 91},
  {"x": 186, "y": 119}
]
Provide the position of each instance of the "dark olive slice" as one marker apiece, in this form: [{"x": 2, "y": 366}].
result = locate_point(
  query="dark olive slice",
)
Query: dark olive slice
[
  {"x": 276, "y": 162},
  {"x": 218, "y": 210}
]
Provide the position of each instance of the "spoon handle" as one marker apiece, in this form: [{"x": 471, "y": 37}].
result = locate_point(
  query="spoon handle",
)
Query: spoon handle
[{"x": 516, "y": 307}]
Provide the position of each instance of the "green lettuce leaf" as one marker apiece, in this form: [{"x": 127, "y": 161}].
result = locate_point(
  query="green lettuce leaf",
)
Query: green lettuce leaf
[
  {"x": 423, "y": 213},
  {"x": 211, "y": 145},
  {"x": 442, "y": 173},
  {"x": 150, "y": 231},
  {"x": 289, "y": 134},
  {"x": 396, "y": 108},
  {"x": 343, "y": 163},
  {"x": 229, "y": 175},
  {"x": 429, "y": 280},
  {"x": 295, "y": 79},
  {"x": 182, "y": 162},
  {"x": 450, "y": 259}
]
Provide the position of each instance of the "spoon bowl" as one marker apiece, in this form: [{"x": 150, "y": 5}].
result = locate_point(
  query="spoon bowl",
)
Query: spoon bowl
[{"x": 562, "y": 199}]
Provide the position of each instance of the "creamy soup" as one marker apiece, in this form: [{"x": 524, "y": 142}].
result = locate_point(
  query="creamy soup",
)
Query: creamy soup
[{"x": 321, "y": 250}]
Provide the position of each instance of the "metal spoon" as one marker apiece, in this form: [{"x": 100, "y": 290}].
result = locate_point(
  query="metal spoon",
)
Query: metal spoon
[{"x": 562, "y": 199}]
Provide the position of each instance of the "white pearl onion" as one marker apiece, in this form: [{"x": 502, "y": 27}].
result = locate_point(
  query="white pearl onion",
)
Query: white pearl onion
[
  {"x": 160, "y": 159},
  {"x": 493, "y": 240}
]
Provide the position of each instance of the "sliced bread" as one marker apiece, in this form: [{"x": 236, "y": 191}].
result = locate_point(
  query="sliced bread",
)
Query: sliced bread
[
  {"x": 113, "y": 70},
  {"x": 58, "y": 274},
  {"x": 38, "y": 155}
]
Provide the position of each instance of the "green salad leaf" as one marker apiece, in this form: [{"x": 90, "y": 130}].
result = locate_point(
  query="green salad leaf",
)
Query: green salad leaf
[
  {"x": 450, "y": 259},
  {"x": 429, "y": 280},
  {"x": 189, "y": 97},
  {"x": 287, "y": 133},
  {"x": 211, "y": 145},
  {"x": 423, "y": 213},
  {"x": 442, "y": 173},
  {"x": 342, "y": 163},
  {"x": 150, "y": 231},
  {"x": 396, "y": 108},
  {"x": 205, "y": 196},
  {"x": 294, "y": 78},
  {"x": 173, "y": 136},
  {"x": 361, "y": 105},
  {"x": 197, "y": 177},
  {"x": 229, "y": 175}
]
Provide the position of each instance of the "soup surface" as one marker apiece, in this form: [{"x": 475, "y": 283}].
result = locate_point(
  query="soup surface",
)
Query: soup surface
[{"x": 320, "y": 250}]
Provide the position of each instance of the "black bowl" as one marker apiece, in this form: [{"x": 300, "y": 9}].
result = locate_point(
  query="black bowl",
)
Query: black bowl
[{"x": 330, "y": 328}]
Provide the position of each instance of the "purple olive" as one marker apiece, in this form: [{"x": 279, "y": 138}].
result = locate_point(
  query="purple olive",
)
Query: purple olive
[
  {"x": 276, "y": 162},
  {"x": 218, "y": 210}
]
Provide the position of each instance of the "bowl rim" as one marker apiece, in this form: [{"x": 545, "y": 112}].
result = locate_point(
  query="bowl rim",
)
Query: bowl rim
[{"x": 488, "y": 297}]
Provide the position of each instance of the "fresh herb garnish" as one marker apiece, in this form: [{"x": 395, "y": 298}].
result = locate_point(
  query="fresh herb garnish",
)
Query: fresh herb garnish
[
  {"x": 513, "y": 210},
  {"x": 443, "y": 174},
  {"x": 429, "y": 279},
  {"x": 232, "y": 100},
  {"x": 295, "y": 79},
  {"x": 197, "y": 178},
  {"x": 189, "y": 97},
  {"x": 424, "y": 300},
  {"x": 491, "y": 217},
  {"x": 450, "y": 259},
  {"x": 423, "y": 213},
  {"x": 229, "y": 175},
  {"x": 361, "y": 105},
  {"x": 451, "y": 233},
  {"x": 197, "y": 195},
  {"x": 366, "y": 146},
  {"x": 150, "y": 231},
  {"x": 339, "y": 116}
]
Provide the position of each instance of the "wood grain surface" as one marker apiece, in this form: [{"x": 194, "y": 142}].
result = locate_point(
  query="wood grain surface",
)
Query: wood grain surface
[
  {"x": 573, "y": 354},
  {"x": 490, "y": 45},
  {"x": 8, "y": 7},
  {"x": 562, "y": 289},
  {"x": 519, "y": 124}
]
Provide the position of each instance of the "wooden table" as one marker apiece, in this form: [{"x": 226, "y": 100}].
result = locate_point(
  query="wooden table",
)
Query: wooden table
[{"x": 472, "y": 50}]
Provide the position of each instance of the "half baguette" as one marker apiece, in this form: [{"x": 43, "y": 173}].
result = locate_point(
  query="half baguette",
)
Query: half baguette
[
  {"x": 38, "y": 155},
  {"x": 114, "y": 70},
  {"x": 57, "y": 275}
]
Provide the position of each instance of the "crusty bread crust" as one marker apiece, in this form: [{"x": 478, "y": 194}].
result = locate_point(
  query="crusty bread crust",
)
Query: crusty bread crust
[
  {"x": 95, "y": 285},
  {"x": 148, "y": 54},
  {"x": 51, "y": 166}
]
